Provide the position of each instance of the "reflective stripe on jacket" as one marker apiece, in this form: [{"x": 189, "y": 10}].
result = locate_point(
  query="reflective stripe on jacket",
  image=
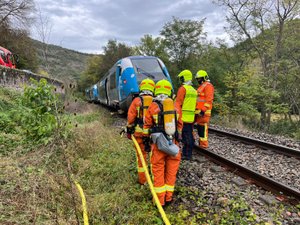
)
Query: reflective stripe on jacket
[
  {"x": 186, "y": 102},
  {"x": 135, "y": 116},
  {"x": 205, "y": 97}
]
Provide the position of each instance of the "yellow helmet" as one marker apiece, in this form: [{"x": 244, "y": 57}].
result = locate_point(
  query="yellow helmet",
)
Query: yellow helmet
[
  {"x": 201, "y": 73},
  {"x": 147, "y": 84},
  {"x": 163, "y": 87},
  {"x": 186, "y": 74}
]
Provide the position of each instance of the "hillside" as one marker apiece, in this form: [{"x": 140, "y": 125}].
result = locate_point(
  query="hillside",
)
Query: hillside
[{"x": 64, "y": 64}]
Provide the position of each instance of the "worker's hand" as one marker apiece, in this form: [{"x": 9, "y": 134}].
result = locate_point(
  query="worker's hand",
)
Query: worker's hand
[
  {"x": 179, "y": 137},
  {"x": 130, "y": 129},
  {"x": 180, "y": 145},
  {"x": 146, "y": 142},
  {"x": 201, "y": 113}
]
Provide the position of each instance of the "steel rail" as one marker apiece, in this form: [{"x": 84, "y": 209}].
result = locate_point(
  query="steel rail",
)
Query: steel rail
[
  {"x": 262, "y": 144},
  {"x": 292, "y": 194}
]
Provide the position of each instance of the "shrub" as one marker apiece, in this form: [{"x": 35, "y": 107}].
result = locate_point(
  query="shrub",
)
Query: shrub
[
  {"x": 285, "y": 127},
  {"x": 39, "y": 111}
]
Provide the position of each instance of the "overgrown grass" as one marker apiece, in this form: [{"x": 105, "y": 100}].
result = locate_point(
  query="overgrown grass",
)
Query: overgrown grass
[
  {"x": 105, "y": 166},
  {"x": 37, "y": 186},
  {"x": 10, "y": 138}
]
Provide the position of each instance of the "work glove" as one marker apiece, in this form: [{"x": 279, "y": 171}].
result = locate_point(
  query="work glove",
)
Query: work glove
[
  {"x": 180, "y": 145},
  {"x": 130, "y": 129},
  {"x": 129, "y": 136},
  {"x": 146, "y": 142},
  {"x": 129, "y": 132},
  {"x": 201, "y": 113},
  {"x": 179, "y": 139}
]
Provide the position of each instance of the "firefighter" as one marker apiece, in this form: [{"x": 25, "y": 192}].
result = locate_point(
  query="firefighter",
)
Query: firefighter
[
  {"x": 204, "y": 106},
  {"x": 186, "y": 102},
  {"x": 135, "y": 121},
  {"x": 164, "y": 124}
]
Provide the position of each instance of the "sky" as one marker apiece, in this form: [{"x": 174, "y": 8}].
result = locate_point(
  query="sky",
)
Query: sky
[{"x": 87, "y": 25}]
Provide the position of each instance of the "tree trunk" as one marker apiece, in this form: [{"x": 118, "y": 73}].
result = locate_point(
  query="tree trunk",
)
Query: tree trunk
[{"x": 263, "y": 116}]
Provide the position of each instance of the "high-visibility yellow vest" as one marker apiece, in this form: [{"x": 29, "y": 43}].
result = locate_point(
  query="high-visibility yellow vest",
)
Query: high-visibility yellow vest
[{"x": 189, "y": 104}]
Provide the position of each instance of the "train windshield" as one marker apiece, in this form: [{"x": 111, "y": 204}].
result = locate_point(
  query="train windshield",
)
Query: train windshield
[{"x": 148, "y": 68}]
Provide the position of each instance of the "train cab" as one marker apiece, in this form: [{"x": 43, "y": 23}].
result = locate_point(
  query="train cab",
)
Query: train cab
[{"x": 121, "y": 83}]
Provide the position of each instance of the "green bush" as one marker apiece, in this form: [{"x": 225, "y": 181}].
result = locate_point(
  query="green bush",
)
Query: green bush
[
  {"x": 32, "y": 116},
  {"x": 40, "y": 109},
  {"x": 285, "y": 127}
]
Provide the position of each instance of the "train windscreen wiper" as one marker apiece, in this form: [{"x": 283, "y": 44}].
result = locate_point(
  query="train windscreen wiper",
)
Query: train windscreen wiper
[{"x": 145, "y": 72}]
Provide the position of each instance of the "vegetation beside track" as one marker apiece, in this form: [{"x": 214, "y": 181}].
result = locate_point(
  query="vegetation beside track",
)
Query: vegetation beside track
[{"x": 37, "y": 176}]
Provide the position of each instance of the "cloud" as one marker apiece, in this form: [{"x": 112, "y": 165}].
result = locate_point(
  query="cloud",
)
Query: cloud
[{"x": 86, "y": 26}]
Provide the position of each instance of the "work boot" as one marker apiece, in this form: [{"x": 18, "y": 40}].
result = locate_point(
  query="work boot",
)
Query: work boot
[
  {"x": 168, "y": 203},
  {"x": 184, "y": 157}
]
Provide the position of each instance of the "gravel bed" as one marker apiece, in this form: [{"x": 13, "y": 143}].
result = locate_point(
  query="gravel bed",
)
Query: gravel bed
[
  {"x": 215, "y": 186},
  {"x": 291, "y": 143},
  {"x": 282, "y": 168}
]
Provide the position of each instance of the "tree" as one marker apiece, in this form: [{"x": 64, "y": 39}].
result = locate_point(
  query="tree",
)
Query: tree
[
  {"x": 259, "y": 23},
  {"x": 91, "y": 74},
  {"x": 182, "y": 39},
  {"x": 14, "y": 21},
  {"x": 43, "y": 27},
  {"x": 289, "y": 68},
  {"x": 98, "y": 66},
  {"x": 18, "y": 41},
  {"x": 15, "y": 11},
  {"x": 152, "y": 47},
  {"x": 113, "y": 51}
]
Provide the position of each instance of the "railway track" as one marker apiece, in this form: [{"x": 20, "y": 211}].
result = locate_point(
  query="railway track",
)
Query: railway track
[
  {"x": 261, "y": 144},
  {"x": 239, "y": 165},
  {"x": 284, "y": 192},
  {"x": 204, "y": 174},
  {"x": 280, "y": 189}
]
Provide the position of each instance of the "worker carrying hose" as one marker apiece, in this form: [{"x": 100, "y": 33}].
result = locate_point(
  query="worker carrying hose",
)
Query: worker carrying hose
[
  {"x": 163, "y": 127},
  {"x": 204, "y": 106},
  {"x": 135, "y": 121}
]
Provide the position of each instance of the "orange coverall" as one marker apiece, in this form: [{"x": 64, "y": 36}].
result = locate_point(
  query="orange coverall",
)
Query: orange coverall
[
  {"x": 180, "y": 98},
  {"x": 135, "y": 111},
  {"x": 164, "y": 167},
  {"x": 204, "y": 104}
]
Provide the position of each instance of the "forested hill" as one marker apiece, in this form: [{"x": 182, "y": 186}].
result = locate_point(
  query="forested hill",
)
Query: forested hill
[{"x": 58, "y": 62}]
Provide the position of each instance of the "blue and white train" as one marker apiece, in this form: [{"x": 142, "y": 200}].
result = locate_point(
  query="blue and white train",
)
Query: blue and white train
[
  {"x": 121, "y": 83},
  {"x": 91, "y": 93}
]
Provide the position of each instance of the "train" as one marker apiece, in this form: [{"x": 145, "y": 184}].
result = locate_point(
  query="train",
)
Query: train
[
  {"x": 7, "y": 59},
  {"x": 120, "y": 85}
]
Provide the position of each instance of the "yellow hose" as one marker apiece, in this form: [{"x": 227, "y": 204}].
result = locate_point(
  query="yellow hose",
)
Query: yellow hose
[
  {"x": 157, "y": 202},
  {"x": 83, "y": 200}
]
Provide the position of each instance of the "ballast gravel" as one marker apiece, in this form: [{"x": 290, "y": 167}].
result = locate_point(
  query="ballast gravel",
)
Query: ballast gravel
[
  {"x": 217, "y": 185},
  {"x": 275, "y": 139},
  {"x": 277, "y": 166}
]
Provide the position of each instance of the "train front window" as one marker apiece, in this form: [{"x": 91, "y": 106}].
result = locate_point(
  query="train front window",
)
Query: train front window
[
  {"x": 148, "y": 68},
  {"x": 12, "y": 59},
  {"x": 2, "y": 55}
]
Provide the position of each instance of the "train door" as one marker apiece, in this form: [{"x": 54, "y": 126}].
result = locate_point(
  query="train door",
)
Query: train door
[
  {"x": 106, "y": 91},
  {"x": 119, "y": 81},
  {"x": 112, "y": 92},
  {"x": 102, "y": 92}
]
